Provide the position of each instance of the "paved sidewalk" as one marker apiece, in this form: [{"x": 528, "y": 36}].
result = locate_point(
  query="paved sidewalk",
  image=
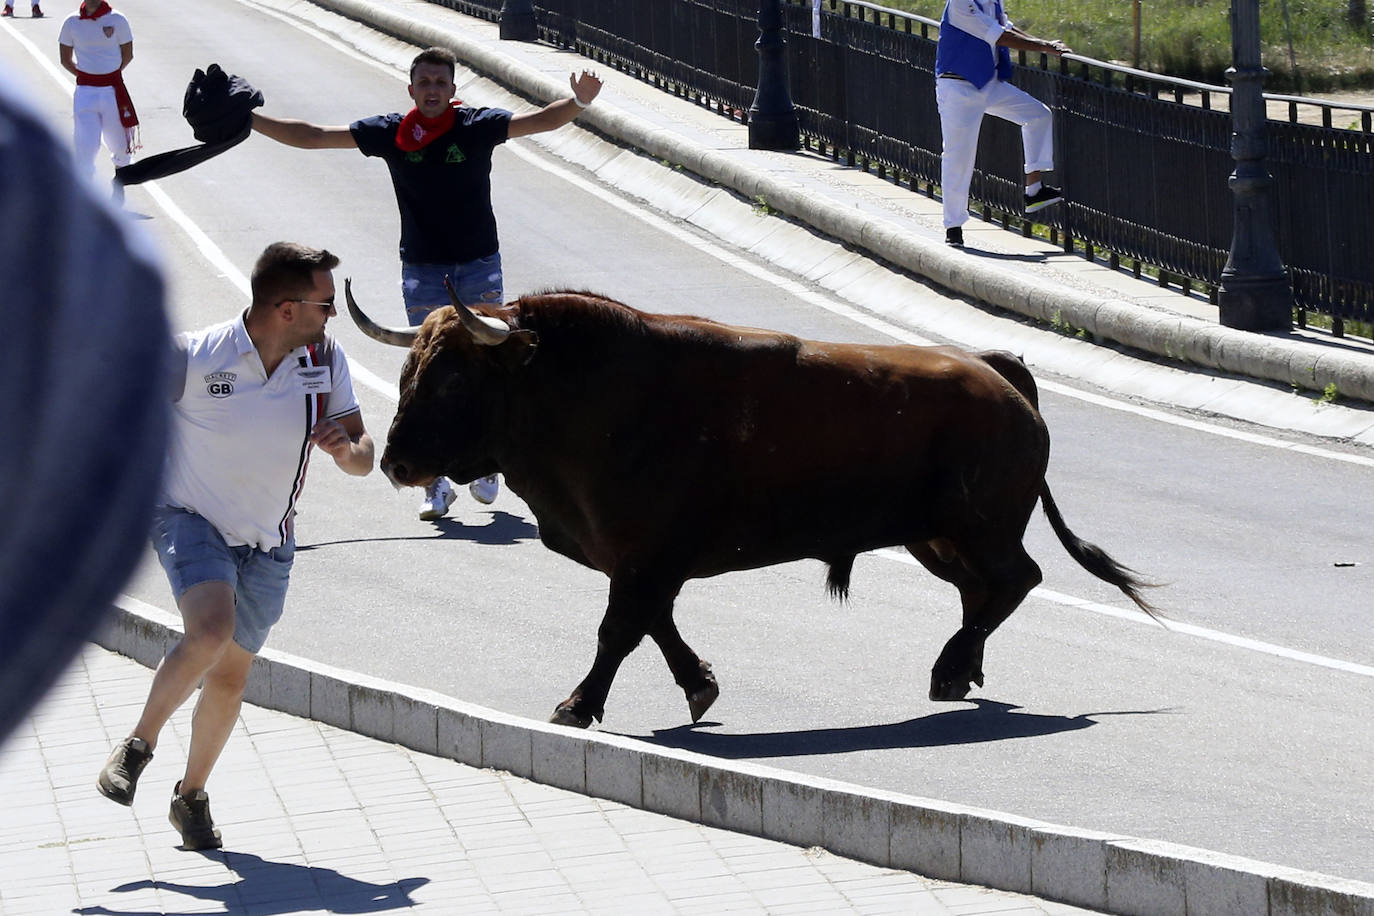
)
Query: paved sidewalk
[{"x": 321, "y": 820}]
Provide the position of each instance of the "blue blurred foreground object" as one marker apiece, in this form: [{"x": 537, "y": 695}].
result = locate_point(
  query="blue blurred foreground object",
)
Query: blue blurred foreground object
[{"x": 83, "y": 403}]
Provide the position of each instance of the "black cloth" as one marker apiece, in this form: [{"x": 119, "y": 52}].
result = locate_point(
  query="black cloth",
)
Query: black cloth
[
  {"x": 83, "y": 405},
  {"x": 219, "y": 107},
  {"x": 443, "y": 190}
]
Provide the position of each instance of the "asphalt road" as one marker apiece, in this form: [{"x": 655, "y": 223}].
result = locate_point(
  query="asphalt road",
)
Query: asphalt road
[{"x": 1088, "y": 720}]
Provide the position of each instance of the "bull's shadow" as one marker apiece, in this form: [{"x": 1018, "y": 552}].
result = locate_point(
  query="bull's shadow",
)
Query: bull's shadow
[
  {"x": 986, "y": 720},
  {"x": 503, "y": 530},
  {"x": 268, "y": 888}
]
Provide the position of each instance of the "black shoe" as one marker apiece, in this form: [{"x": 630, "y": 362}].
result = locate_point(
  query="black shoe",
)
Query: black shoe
[
  {"x": 119, "y": 779},
  {"x": 1046, "y": 196},
  {"x": 954, "y": 235},
  {"x": 190, "y": 814},
  {"x": 37, "y": 13}
]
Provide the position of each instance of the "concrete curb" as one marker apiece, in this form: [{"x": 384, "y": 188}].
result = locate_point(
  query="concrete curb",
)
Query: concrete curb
[
  {"x": 1100, "y": 871},
  {"x": 1269, "y": 357}
]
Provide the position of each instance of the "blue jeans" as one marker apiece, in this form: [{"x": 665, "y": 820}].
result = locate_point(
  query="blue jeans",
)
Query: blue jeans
[
  {"x": 476, "y": 282},
  {"x": 192, "y": 551}
]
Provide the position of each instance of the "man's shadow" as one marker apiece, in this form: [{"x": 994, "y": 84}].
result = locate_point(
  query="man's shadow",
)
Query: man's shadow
[
  {"x": 987, "y": 720},
  {"x": 504, "y": 529},
  {"x": 271, "y": 888}
]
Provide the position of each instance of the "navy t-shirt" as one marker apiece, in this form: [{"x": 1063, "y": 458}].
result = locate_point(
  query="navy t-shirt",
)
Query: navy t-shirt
[{"x": 444, "y": 188}]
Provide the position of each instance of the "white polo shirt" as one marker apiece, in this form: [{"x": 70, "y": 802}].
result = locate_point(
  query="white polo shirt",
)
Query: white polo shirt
[
  {"x": 240, "y": 440},
  {"x": 96, "y": 41}
]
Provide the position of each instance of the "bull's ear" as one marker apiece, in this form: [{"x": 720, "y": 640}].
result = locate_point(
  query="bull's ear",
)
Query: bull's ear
[{"x": 518, "y": 349}]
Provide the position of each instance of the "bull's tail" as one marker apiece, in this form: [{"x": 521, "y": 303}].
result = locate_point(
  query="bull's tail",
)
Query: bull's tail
[
  {"x": 1094, "y": 559},
  {"x": 837, "y": 580}
]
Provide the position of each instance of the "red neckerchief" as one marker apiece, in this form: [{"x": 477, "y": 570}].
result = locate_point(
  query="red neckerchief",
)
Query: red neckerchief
[
  {"x": 100, "y": 10},
  {"x": 417, "y": 131}
]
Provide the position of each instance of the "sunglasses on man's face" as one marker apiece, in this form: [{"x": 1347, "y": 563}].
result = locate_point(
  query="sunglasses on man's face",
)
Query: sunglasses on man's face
[{"x": 327, "y": 305}]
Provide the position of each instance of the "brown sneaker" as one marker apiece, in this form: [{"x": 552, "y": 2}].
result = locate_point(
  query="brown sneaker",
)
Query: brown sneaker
[
  {"x": 8, "y": 11},
  {"x": 119, "y": 779},
  {"x": 37, "y": 13},
  {"x": 191, "y": 815}
]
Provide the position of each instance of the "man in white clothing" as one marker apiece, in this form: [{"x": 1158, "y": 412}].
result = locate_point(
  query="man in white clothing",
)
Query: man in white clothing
[
  {"x": 95, "y": 45},
  {"x": 972, "y": 77},
  {"x": 253, "y": 398}
]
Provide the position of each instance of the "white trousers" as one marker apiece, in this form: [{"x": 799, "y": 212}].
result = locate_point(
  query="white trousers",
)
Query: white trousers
[
  {"x": 962, "y": 106},
  {"x": 95, "y": 115}
]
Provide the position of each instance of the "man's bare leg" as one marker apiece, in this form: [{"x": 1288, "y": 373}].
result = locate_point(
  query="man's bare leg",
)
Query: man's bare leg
[{"x": 207, "y": 612}]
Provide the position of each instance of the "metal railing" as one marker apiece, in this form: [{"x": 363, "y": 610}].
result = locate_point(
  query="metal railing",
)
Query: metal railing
[{"x": 1144, "y": 159}]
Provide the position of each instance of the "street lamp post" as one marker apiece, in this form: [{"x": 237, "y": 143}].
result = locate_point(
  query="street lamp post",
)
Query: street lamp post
[
  {"x": 772, "y": 118},
  {"x": 516, "y": 21},
  {"x": 1255, "y": 294}
]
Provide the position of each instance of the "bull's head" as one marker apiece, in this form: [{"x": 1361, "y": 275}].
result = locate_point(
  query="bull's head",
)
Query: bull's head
[{"x": 452, "y": 391}]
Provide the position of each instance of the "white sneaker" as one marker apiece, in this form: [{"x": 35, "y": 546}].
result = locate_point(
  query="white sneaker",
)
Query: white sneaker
[
  {"x": 438, "y": 497},
  {"x": 484, "y": 489}
]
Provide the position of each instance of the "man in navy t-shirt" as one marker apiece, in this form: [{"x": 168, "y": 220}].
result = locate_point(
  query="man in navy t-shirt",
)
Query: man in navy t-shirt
[{"x": 439, "y": 156}]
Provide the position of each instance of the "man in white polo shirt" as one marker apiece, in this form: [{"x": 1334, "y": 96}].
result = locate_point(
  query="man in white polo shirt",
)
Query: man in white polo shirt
[
  {"x": 96, "y": 44},
  {"x": 255, "y": 396}
]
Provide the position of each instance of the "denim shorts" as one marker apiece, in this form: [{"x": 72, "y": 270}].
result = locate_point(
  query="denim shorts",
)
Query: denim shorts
[
  {"x": 192, "y": 551},
  {"x": 475, "y": 282}
]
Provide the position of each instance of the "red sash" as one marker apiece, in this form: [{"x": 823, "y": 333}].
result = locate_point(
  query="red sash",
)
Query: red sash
[
  {"x": 127, "y": 116},
  {"x": 417, "y": 131}
]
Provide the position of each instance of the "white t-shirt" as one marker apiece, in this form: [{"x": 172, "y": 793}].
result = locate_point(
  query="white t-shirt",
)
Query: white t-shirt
[
  {"x": 240, "y": 440},
  {"x": 96, "y": 41}
]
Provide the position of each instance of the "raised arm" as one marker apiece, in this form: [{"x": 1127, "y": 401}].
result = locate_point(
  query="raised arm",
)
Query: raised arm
[
  {"x": 556, "y": 114},
  {"x": 303, "y": 134}
]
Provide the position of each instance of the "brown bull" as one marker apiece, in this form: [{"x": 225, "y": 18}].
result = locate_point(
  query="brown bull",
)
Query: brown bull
[{"x": 661, "y": 448}]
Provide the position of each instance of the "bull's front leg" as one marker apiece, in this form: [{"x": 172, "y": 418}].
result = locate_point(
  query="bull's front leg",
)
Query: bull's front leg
[{"x": 636, "y": 602}]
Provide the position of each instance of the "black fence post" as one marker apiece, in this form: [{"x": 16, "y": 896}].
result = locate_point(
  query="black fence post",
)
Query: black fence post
[
  {"x": 772, "y": 118},
  {"x": 1255, "y": 293},
  {"x": 517, "y": 21}
]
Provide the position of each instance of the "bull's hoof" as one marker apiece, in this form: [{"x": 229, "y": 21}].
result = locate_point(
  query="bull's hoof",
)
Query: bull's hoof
[
  {"x": 942, "y": 690},
  {"x": 701, "y": 701},
  {"x": 566, "y": 715}
]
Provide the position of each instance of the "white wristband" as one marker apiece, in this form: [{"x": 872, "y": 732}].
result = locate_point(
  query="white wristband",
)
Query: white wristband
[{"x": 580, "y": 103}]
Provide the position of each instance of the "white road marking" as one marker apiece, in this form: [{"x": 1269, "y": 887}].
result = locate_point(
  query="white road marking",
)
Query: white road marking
[
  {"x": 1134, "y": 615},
  {"x": 221, "y": 262}
]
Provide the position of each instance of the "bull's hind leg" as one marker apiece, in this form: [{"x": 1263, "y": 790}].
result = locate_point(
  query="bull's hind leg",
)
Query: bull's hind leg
[
  {"x": 990, "y": 588},
  {"x": 692, "y": 673},
  {"x": 634, "y": 605}
]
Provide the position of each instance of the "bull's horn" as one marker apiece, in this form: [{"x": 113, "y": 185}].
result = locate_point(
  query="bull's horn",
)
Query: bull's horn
[
  {"x": 484, "y": 329},
  {"x": 397, "y": 337}
]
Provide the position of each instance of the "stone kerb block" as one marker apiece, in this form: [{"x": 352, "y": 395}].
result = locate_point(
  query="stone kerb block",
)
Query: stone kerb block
[
  {"x": 559, "y": 758},
  {"x": 1070, "y": 865},
  {"x": 995, "y": 850},
  {"x": 258, "y": 690},
  {"x": 731, "y": 799},
  {"x": 458, "y": 735},
  {"x": 1305, "y": 894},
  {"x": 672, "y": 786},
  {"x": 329, "y": 699},
  {"x": 1226, "y": 885},
  {"x": 792, "y": 811},
  {"x": 1145, "y": 878},
  {"x": 926, "y": 838},
  {"x": 857, "y": 825},
  {"x": 290, "y": 692},
  {"x": 506, "y": 745},
  {"x": 415, "y": 718},
  {"x": 373, "y": 709},
  {"x": 615, "y": 771}
]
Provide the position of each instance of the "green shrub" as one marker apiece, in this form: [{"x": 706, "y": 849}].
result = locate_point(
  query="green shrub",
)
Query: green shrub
[{"x": 1191, "y": 39}]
